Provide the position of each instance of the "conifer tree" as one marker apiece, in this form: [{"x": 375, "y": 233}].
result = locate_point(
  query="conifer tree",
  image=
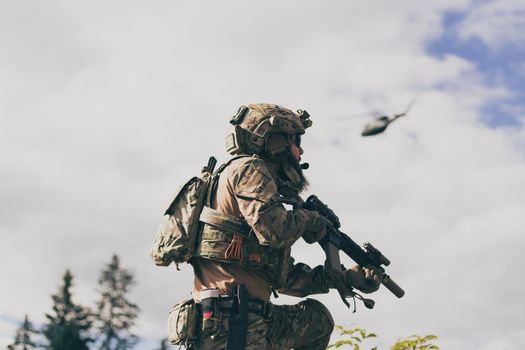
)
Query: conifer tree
[
  {"x": 115, "y": 313},
  {"x": 69, "y": 324},
  {"x": 23, "y": 337}
]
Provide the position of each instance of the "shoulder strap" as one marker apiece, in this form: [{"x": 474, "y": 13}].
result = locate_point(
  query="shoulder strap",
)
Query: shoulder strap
[{"x": 215, "y": 178}]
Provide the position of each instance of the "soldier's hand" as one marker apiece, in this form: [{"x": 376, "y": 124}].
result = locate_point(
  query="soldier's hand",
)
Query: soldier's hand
[
  {"x": 367, "y": 280},
  {"x": 317, "y": 228}
]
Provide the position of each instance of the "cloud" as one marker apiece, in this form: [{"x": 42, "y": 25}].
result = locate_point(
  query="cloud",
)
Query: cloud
[
  {"x": 496, "y": 23},
  {"x": 106, "y": 108}
]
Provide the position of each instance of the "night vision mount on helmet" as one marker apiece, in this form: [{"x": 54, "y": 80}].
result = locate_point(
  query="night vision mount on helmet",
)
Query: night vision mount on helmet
[{"x": 255, "y": 124}]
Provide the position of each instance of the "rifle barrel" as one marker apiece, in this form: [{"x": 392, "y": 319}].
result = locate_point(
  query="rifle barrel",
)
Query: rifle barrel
[{"x": 356, "y": 253}]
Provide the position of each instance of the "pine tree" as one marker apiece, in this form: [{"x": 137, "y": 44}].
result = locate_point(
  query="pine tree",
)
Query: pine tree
[
  {"x": 115, "y": 314},
  {"x": 69, "y": 323},
  {"x": 23, "y": 336}
]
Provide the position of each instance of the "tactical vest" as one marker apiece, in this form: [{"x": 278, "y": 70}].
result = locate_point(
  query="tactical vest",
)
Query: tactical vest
[{"x": 228, "y": 239}]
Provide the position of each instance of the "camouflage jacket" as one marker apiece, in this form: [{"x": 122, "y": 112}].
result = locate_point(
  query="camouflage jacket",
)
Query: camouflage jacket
[{"x": 248, "y": 189}]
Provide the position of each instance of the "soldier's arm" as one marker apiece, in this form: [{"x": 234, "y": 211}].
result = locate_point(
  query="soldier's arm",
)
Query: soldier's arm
[
  {"x": 259, "y": 203},
  {"x": 303, "y": 280}
]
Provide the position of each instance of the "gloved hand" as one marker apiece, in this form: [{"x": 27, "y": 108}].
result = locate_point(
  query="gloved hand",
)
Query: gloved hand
[
  {"x": 367, "y": 280},
  {"x": 317, "y": 228}
]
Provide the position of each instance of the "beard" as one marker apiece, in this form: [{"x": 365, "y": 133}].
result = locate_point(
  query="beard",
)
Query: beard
[{"x": 293, "y": 174}]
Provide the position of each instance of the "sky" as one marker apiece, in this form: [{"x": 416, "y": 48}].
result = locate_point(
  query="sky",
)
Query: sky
[{"x": 106, "y": 107}]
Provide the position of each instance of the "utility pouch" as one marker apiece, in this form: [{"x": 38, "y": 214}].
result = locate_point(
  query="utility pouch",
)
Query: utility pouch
[
  {"x": 211, "y": 316},
  {"x": 182, "y": 323}
]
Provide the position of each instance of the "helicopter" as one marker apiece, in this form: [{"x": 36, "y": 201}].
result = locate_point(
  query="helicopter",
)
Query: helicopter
[{"x": 380, "y": 124}]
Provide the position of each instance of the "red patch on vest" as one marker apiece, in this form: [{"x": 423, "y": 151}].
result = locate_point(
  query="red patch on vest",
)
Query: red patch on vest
[
  {"x": 207, "y": 315},
  {"x": 255, "y": 258}
]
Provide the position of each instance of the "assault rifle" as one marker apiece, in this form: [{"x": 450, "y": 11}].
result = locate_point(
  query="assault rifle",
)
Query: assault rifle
[{"x": 336, "y": 241}]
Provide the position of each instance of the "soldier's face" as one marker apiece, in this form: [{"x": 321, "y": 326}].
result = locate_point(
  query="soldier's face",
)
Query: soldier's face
[{"x": 295, "y": 148}]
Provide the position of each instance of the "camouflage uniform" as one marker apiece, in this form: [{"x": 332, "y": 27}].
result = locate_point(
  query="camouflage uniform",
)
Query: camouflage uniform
[
  {"x": 249, "y": 189},
  {"x": 306, "y": 325},
  {"x": 233, "y": 228}
]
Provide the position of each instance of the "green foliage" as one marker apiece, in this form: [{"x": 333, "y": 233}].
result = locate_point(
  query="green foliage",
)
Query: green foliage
[
  {"x": 355, "y": 337},
  {"x": 23, "y": 336},
  {"x": 115, "y": 315},
  {"x": 69, "y": 323},
  {"x": 415, "y": 342}
]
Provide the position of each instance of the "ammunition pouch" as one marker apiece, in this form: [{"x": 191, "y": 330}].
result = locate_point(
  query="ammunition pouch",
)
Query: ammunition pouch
[{"x": 182, "y": 323}]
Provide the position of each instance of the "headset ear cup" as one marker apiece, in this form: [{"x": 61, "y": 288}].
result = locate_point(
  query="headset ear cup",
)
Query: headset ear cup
[
  {"x": 235, "y": 143},
  {"x": 277, "y": 145}
]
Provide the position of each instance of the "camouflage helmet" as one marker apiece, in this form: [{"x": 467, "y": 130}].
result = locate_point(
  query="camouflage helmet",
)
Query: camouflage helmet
[{"x": 255, "y": 123}]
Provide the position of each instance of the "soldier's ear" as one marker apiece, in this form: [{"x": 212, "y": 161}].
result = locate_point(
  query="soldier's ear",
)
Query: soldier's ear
[{"x": 277, "y": 144}]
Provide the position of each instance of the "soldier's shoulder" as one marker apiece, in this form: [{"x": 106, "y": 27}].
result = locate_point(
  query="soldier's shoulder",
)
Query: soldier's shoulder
[{"x": 250, "y": 165}]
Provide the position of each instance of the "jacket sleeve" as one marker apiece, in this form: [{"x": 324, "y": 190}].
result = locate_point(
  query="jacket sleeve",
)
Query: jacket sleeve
[
  {"x": 260, "y": 205},
  {"x": 303, "y": 280}
]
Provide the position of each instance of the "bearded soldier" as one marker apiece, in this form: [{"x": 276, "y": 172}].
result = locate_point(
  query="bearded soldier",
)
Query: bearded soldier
[{"x": 242, "y": 254}]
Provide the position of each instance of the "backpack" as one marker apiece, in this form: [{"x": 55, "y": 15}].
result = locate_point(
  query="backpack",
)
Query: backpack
[{"x": 177, "y": 234}]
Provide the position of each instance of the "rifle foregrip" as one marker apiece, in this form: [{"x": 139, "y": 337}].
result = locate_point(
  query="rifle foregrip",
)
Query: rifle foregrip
[{"x": 393, "y": 287}]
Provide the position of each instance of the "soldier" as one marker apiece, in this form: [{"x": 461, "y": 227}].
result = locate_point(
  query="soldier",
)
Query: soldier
[{"x": 243, "y": 253}]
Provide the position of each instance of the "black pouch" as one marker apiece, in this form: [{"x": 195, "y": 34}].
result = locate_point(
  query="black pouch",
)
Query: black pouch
[
  {"x": 211, "y": 317},
  {"x": 182, "y": 323}
]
